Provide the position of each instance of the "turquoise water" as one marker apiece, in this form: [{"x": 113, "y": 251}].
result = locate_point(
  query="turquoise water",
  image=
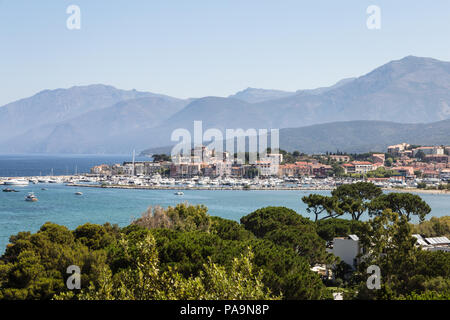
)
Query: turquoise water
[{"x": 60, "y": 205}]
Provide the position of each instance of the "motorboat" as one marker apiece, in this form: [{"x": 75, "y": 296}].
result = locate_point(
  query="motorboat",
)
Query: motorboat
[
  {"x": 16, "y": 182},
  {"x": 55, "y": 181},
  {"x": 9, "y": 190},
  {"x": 31, "y": 197},
  {"x": 179, "y": 193},
  {"x": 78, "y": 193}
]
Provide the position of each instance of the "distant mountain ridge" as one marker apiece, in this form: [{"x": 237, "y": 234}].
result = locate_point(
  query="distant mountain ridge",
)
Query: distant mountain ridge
[
  {"x": 363, "y": 136},
  {"x": 253, "y": 95},
  {"x": 54, "y": 106},
  {"x": 94, "y": 131},
  {"x": 354, "y": 136},
  {"x": 103, "y": 119},
  {"x": 410, "y": 90}
]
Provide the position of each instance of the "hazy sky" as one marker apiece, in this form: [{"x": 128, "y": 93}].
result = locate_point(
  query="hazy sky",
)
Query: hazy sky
[{"x": 193, "y": 48}]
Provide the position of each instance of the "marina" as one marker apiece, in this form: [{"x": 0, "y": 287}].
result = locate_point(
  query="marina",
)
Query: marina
[{"x": 157, "y": 182}]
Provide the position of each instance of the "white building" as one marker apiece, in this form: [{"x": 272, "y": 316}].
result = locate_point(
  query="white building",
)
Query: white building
[
  {"x": 179, "y": 158},
  {"x": 269, "y": 165},
  {"x": 429, "y": 150},
  {"x": 397, "y": 149},
  {"x": 347, "y": 249},
  {"x": 266, "y": 169},
  {"x": 223, "y": 168},
  {"x": 362, "y": 166},
  {"x": 128, "y": 169},
  {"x": 274, "y": 158},
  {"x": 433, "y": 244}
]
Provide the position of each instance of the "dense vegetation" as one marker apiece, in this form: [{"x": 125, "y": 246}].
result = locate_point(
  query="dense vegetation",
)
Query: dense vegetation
[
  {"x": 435, "y": 227},
  {"x": 364, "y": 197},
  {"x": 407, "y": 272},
  {"x": 181, "y": 252},
  {"x": 184, "y": 253}
]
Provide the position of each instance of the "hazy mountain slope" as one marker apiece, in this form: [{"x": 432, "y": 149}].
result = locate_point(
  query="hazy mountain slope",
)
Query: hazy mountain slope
[
  {"x": 214, "y": 112},
  {"x": 218, "y": 113},
  {"x": 362, "y": 136},
  {"x": 128, "y": 115},
  {"x": 324, "y": 89},
  {"x": 95, "y": 131},
  {"x": 253, "y": 95},
  {"x": 54, "y": 106},
  {"x": 409, "y": 90},
  {"x": 355, "y": 136}
]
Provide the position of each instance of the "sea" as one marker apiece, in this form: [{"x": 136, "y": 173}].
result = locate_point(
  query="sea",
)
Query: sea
[
  {"x": 23, "y": 165},
  {"x": 59, "y": 204}
]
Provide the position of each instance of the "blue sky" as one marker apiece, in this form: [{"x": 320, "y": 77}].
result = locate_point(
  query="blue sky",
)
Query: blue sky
[{"x": 193, "y": 48}]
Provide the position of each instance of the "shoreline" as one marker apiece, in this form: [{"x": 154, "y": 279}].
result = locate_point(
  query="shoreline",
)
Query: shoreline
[
  {"x": 210, "y": 188},
  {"x": 178, "y": 188},
  {"x": 416, "y": 190}
]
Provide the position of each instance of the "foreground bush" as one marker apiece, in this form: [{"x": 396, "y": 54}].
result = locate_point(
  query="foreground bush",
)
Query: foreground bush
[
  {"x": 182, "y": 217},
  {"x": 197, "y": 257},
  {"x": 144, "y": 281}
]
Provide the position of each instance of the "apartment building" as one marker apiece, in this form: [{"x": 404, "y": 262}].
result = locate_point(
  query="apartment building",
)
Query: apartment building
[
  {"x": 340, "y": 158},
  {"x": 429, "y": 151},
  {"x": 397, "y": 149}
]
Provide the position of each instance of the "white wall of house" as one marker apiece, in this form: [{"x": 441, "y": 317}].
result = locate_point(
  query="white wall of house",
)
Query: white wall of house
[{"x": 347, "y": 250}]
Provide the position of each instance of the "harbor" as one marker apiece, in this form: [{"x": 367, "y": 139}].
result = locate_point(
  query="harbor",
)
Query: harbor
[{"x": 157, "y": 182}]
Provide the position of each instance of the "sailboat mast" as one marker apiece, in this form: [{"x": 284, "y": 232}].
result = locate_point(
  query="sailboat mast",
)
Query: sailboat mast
[{"x": 134, "y": 167}]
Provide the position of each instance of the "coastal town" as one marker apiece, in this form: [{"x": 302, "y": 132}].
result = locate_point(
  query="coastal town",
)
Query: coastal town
[{"x": 402, "y": 165}]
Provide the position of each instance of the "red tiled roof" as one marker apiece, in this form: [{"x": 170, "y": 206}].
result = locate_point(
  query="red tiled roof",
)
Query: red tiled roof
[
  {"x": 348, "y": 165},
  {"x": 367, "y": 163}
]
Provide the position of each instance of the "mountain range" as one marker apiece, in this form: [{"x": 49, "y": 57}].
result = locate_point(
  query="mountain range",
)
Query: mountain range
[
  {"x": 358, "y": 136},
  {"x": 363, "y": 136},
  {"x": 408, "y": 94}
]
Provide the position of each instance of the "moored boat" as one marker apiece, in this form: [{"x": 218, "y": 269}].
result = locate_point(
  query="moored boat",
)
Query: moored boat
[{"x": 16, "y": 182}]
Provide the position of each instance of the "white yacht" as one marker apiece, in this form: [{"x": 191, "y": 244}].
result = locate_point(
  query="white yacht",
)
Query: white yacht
[
  {"x": 16, "y": 182},
  {"x": 55, "y": 180}
]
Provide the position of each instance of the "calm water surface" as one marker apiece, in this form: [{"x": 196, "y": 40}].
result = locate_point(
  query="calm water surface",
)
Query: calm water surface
[{"x": 17, "y": 165}]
